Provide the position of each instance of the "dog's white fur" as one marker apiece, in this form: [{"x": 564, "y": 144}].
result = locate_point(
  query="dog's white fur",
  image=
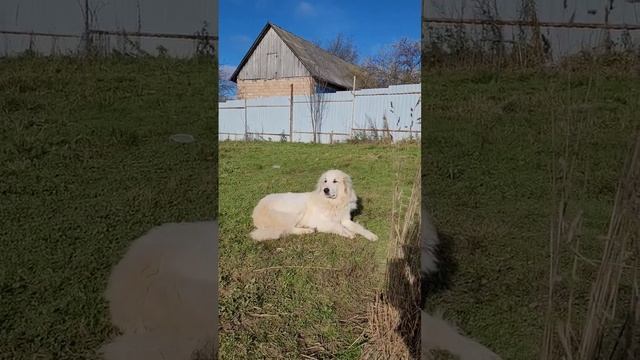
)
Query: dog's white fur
[
  {"x": 327, "y": 209},
  {"x": 437, "y": 333},
  {"x": 163, "y": 294}
]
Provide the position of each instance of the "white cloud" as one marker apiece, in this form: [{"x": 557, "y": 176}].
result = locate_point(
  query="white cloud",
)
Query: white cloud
[
  {"x": 305, "y": 9},
  {"x": 240, "y": 39}
]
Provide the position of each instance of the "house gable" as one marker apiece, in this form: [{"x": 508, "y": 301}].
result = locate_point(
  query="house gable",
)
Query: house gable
[{"x": 271, "y": 59}]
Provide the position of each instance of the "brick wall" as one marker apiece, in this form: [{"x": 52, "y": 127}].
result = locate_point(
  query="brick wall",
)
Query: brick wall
[{"x": 250, "y": 89}]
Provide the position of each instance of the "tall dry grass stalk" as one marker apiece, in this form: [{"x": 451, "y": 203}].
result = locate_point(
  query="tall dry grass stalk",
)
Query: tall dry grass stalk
[
  {"x": 597, "y": 335},
  {"x": 617, "y": 248},
  {"x": 394, "y": 316},
  {"x": 560, "y": 232}
]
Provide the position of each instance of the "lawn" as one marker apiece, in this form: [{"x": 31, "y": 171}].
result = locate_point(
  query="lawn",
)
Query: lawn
[
  {"x": 487, "y": 166},
  {"x": 302, "y": 295},
  {"x": 87, "y": 167}
]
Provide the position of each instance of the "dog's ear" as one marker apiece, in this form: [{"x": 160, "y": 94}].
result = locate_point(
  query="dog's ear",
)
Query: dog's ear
[
  {"x": 348, "y": 190},
  {"x": 320, "y": 183}
]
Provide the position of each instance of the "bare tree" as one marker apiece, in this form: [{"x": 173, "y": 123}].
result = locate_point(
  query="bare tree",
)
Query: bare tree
[
  {"x": 488, "y": 10},
  {"x": 317, "y": 105},
  {"x": 344, "y": 48},
  {"x": 205, "y": 45},
  {"x": 90, "y": 18},
  {"x": 395, "y": 64},
  {"x": 226, "y": 88}
]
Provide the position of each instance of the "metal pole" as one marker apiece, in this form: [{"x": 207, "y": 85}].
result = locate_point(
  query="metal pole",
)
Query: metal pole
[
  {"x": 291, "y": 116},
  {"x": 575, "y": 25},
  {"x": 246, "y": 130},
  {"x": 353, "y": 105},
  {"x": 87, "y": 30}
]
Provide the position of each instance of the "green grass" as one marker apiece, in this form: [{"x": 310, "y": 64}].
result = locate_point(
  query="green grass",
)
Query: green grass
[
  {"x": 87, "y": 166},
  {"x": 320, "y": 309},
  {"x": 487, "y": 170}
]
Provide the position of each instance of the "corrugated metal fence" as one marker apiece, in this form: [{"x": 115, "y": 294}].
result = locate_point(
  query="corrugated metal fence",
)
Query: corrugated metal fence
[
  {"x": 387, "y": 113},
  {"x": 70, "y": 27},
  {"x": 568, "y": 26}
]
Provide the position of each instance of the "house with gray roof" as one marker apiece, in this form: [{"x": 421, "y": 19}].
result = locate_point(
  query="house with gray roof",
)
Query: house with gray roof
[{"x": 280, "y": 62}]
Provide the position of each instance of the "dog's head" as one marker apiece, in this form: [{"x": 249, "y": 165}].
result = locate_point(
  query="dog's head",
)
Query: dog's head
[{"x": 335, "y": 184}]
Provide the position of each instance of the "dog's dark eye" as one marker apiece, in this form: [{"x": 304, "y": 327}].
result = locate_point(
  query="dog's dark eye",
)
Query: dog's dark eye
[
  {"x": 325, "y": 180},
  {"x": 335, "y": 181}
]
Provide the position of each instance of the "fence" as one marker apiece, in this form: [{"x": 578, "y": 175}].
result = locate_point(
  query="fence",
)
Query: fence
[
  {"x": 387, "y": 113},
  {"x": 105, "y": 26},
  {"x": 563, "y": 27}
]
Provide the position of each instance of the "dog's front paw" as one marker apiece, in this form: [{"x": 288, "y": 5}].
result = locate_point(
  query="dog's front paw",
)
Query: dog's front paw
[
  {"x": 371, "y": 237},
  {"x": 348, "y": 234}
]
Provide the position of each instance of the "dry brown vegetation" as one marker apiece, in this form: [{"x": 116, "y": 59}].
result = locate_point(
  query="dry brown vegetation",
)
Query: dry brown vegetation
[
  {"x": 394, "y": 315},
  {"x": 609, "y": 327}
]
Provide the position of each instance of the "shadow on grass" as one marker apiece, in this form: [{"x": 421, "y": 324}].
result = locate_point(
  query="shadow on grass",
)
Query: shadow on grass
[
  {"x": 398, "y": 294},
  {"x": 404, "y": 270},
  {"x": 434, "y": 283},
  {"x": 358, "y": 209}
]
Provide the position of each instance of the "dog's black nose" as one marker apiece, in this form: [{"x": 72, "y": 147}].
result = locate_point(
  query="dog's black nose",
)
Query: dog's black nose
[{"x": 326, "y": 190}]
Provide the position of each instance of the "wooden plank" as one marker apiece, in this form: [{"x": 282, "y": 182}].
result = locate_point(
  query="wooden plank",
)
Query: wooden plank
[{"x": 272, "y": 59}]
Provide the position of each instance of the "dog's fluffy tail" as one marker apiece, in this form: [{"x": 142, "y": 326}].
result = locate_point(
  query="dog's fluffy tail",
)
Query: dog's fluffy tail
[{"x": 262, "y": 234}]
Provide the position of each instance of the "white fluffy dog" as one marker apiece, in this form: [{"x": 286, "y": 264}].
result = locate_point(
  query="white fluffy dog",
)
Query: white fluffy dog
[{"x": 327, "y": 209}]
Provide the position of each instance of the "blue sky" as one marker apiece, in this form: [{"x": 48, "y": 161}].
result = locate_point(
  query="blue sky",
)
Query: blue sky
[{"x": 371, "y": 24}]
